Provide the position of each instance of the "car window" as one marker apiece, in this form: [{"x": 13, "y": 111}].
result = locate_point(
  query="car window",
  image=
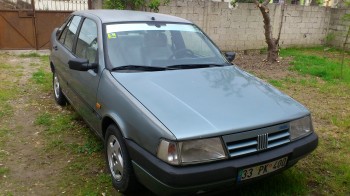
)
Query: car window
[
  {"x": 87, "y": 41},
  {"x": 64, "y": 33},
  {"x": 196, "y": 43},
  {"x": 159, "y": 45},
  {"x": 68, "y": 34}
]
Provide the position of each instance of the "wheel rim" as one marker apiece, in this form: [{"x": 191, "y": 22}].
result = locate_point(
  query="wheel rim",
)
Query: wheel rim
[
  {"x": 56, "y": 86},
  {"x": 115, "y": 158}
]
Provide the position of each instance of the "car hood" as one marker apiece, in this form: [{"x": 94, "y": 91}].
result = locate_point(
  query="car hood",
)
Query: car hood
[{"x": 207, "y": 102}]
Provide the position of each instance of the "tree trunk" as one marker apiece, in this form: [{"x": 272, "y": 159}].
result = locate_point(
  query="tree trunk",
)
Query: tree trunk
[
  {"x": 313, "y": 3},
  {"x": 272, "y": 44},
  {"x": 343, "y": 55}
]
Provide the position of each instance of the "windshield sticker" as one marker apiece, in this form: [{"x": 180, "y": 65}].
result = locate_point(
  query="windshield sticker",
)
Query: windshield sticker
[{"x": 112, "y": 35}]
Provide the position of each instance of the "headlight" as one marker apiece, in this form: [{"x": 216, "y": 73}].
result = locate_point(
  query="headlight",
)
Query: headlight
[
  {"x": 201, "y": 150},
  {"x": 301, "y": 127},
  {"x": 190, "y": 152}
]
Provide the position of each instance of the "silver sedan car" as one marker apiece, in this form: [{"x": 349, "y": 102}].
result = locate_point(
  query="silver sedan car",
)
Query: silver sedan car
[{"x": 174, "y": 113}]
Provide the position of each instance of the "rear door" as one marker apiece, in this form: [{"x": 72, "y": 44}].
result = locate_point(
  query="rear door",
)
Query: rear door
[{"x": 62, "y": 52}]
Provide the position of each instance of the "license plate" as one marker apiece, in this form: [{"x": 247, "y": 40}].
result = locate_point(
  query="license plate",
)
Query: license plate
[{"x": 259, "y": 170}]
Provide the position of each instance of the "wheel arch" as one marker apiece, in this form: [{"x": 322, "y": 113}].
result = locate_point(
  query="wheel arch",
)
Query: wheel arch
[
  {"x": 106, "y": 121},
  {"x": 52, "y": 66}
]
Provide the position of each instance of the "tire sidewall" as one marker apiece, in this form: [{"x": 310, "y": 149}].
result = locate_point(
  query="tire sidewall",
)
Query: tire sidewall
[
  {"x": 60, "y": 99},
  {"x": 125, "y": 184}
]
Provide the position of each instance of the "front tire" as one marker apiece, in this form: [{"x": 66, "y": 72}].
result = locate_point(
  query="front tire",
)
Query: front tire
[
  {"x": 57, "y": 91},
  {"x": 118, "y": 161}
]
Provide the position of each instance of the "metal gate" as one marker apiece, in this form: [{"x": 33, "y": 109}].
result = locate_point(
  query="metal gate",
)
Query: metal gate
[{"x": 24, "y": 27}]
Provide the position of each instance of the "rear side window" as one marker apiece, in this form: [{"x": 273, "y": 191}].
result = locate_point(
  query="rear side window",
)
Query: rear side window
[
  {"x": 87, "y": 41},
  {"x": 69, "y": 32}
]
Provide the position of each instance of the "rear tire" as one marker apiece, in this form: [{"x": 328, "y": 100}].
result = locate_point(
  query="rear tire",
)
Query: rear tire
[
  {"x": 118, "y": 161},
  {"x": 57, "y": 91}
]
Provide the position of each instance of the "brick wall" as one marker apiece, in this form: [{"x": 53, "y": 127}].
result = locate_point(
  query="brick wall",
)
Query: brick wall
[{"x": 242, "y": 28}]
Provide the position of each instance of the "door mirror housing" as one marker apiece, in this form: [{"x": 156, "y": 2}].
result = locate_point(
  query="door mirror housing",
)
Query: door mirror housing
[
  {"x": 80, "y": 64},
  {"x": 230, "y": 56}
]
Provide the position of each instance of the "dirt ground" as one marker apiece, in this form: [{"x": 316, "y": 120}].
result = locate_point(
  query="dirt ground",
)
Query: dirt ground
[{"x": 32, "y": 172}]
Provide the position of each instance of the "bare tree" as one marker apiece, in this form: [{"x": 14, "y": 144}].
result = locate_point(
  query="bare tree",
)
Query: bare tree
[{"x": 272, "y": 43}]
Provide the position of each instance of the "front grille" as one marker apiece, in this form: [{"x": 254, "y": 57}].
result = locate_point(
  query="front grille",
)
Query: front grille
[
  {"x": 256, "y": 140},
  {"x": 278, "y": 138}
]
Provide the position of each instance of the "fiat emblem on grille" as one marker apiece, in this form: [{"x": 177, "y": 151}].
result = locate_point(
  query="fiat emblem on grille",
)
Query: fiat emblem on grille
[{"x": 262, "y": 141}]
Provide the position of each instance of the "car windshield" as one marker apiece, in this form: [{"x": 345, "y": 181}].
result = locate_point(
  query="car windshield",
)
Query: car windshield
[{"x": 160, "y": 45}]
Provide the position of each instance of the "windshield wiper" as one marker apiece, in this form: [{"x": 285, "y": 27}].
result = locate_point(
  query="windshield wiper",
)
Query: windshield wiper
[
  {"x": 194, "y": 66},
  {"x": 138, "y": 68},
  {"x": 171, "y": 67}
]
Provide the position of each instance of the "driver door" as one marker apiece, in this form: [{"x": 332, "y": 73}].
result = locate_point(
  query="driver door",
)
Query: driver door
[{"x": 85, "y": 83}]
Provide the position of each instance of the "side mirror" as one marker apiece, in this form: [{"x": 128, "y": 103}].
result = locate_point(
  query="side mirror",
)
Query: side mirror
[
  {"x": 230, "y": 56},
  {"x": 80, "y": 64}
]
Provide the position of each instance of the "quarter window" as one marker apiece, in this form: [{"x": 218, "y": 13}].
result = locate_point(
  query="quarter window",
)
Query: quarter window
[{"x": 87, "y": 41}]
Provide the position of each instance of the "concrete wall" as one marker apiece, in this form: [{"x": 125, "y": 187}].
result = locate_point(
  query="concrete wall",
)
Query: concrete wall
[
  {"x": 339, "y": 27},
  {"x": 242, "y": 28}
]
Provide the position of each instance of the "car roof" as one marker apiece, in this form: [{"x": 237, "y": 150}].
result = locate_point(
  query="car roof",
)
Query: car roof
[{"x": 110, "y": 16}]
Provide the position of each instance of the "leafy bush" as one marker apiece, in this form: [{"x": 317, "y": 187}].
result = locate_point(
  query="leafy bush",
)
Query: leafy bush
[{"x": 153, "y": 5}]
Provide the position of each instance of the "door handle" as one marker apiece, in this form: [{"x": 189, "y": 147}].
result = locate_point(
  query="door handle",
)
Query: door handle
[{"x": 55, "y": 47}]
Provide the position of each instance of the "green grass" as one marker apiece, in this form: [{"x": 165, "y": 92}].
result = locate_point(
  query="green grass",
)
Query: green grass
[
  {"x": 89, "y": 188},
  {"x": 43, "y": 78},
  {"x": 275, "y": 83},
  {"x": 44, "y": 119},
  {"x": 60, "y": 124},
  {"x": 343, "y": 122},
  {"x": 29, "y": 55},
  {"x": 90, "y": 146},
  {"x": 66, "y": 133},
  {"x": 4, "y": 171},
  {"x": 307, "y": 63},
  {"x": 8, "y": 92},
  {"x": 6, "y": 109},
  {"x": 56, "y": 123},
  {"x": 4, "y": 66},
  {"x": 320, "y": 87},
  {"x": 4, "y": 133},
  {"x": 290, "y": 182}
]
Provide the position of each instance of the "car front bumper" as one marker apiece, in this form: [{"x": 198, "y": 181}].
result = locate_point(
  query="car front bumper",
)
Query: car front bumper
[{"x": 163, "y": 178}]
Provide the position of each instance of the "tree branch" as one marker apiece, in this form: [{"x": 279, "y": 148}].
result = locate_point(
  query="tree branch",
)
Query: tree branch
[
  {"x": 281, "y": 23},
  {"x": 266, "y": 2}
]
